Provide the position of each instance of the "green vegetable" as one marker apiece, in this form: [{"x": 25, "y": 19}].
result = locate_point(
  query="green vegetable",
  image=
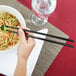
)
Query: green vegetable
[
  {"x": 14, "y": 36},
  {"x": 13, "y": 19},
  {"x": 3, "y": 27},
  {"x": 6, "y": 16},
  {"x": 4, "y": 21}
]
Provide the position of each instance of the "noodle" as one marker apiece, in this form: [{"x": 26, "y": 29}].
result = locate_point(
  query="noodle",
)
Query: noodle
[{"x": 8, "y": 39}]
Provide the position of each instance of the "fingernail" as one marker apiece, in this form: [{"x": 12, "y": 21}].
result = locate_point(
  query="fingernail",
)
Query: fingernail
[{"x": 20, "y": 30}]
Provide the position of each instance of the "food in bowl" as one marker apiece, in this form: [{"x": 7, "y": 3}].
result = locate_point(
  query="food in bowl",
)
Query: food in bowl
[{"x": 8, "y": 39}]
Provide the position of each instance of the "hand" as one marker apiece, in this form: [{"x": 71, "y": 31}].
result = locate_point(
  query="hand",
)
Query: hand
[{"x": 25, "y": 45}]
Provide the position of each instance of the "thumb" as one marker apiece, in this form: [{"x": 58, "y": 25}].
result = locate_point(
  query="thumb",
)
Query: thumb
[{"x": 22, "y": 36}]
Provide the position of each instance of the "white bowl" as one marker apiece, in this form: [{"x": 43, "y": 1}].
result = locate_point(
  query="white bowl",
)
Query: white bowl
[{"x": 18, "y": 15}]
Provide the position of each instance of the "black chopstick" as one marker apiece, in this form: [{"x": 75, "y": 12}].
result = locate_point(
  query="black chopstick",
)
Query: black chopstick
[
  {"x": 49, "y": 35},
  {"x": 2, "y": 74},
  {"x": 44, "y": 39}
]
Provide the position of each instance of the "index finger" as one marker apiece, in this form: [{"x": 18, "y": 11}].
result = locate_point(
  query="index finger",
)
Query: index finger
[{"x": 30, "y": 40}]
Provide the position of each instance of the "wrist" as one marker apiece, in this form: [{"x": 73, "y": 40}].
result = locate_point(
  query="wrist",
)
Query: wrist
[
  {"x": 22, "y": 60},
  {"x": 21, "y": 57}
]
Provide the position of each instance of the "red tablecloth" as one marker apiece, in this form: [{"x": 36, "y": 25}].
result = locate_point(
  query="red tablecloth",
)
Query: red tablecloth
[{"x": 63, "y": 18}]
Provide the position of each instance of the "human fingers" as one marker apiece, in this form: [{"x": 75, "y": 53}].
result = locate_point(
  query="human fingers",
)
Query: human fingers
[{"x": 22, "y": 36}]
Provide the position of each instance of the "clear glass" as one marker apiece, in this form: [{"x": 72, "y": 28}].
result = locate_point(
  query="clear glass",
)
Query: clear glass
[{"x": 42, "y": 9}]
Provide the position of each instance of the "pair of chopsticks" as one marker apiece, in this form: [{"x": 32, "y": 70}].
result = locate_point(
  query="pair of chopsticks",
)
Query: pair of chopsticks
[{"x": 49, "y": 35}]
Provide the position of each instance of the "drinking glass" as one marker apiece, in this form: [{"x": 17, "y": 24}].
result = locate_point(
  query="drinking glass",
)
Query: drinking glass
[{"x": 42, "y": 10}]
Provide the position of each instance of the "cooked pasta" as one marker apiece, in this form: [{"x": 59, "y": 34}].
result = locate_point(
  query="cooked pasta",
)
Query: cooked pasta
[{"x": 8, "y": 39}]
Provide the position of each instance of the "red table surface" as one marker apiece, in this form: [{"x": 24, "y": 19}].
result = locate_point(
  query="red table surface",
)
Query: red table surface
[{"x": 63, "y": 18}]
